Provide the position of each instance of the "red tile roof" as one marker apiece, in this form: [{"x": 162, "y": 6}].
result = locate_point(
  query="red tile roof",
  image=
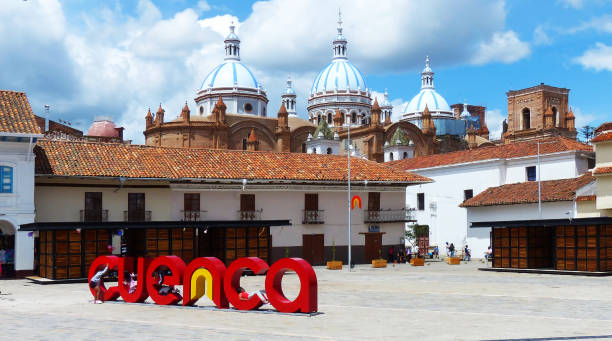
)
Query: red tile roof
[
  {"x": 602, "y": 170},
  {"x": 602, "y": 137},
  {"x": 16, "y": 115},
  {"x": 604, "y": 127},
  {"x": 506, "y": 151},
  {"x": 586, "y": 198},
  {"x": 527, "y": 192},
  {"x": 77, "y": 158}
]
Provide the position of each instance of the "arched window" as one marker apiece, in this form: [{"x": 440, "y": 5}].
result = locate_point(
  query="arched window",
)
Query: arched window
[
  {"x": 405, "y": 155},
  {"x": 329, "y": 150},
  {"x": 353, "y": 117},
  {"x": 6, "y": 179},
  {"x": 391, "y": 156},
  {"x": 244, "y": 144},
  {"x": 554, "y": 110},
  {"x": 526, "y": 119},
  {"x": 329, "y": 118}
]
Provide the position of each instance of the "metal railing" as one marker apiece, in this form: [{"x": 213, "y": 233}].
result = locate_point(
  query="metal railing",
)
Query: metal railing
[
  {"x": 136, "y": 215},
  {"x": 389, "y": 216},
  {"x": 250, "y": 215},
  {"x": 94, "y": 215},
  {"x": 313, "y": 217},
  {"x": 193, "y": 215}
]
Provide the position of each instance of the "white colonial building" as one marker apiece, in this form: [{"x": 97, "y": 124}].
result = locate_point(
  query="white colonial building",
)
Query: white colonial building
[
  {"x": 459, "y": 176},
  {"x": 18, "y": 134}
]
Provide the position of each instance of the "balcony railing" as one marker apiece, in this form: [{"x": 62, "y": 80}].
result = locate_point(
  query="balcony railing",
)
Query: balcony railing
[
  {"x": 94, "y": 215},
  {"x": 389, "y": 216},
  {"x": 313, "y": 217},
  {"x": 136, "y": 215},
  {"x": 193, "y": 215},
  {"x": 250, "y": 215}
]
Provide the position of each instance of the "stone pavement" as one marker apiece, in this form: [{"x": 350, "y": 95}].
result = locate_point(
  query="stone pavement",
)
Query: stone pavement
[{"x": 435, "y": 302}]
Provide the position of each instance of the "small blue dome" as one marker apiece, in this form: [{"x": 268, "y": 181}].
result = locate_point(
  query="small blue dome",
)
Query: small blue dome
[
  {"x": 340, "y": 74},
  {"x": 229, "y": 74}
]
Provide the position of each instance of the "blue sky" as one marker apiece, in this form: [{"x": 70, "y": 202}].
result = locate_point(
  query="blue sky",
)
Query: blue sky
[{"x": 116, "y": 59}]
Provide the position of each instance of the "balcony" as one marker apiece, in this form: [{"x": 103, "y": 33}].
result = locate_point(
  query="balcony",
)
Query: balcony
[
  {"x": 249, "y": 215},
  {"x": 389, "y": 216},
  {"x": 94, "y": 215},
  {"x": 313, "y": 217},
  {"x": 193, "y": 215},
  {"x": 136, "y": 215}
]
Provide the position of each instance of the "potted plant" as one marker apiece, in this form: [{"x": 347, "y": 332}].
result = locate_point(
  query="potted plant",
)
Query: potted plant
[
  {"x": 380, "y": 262},
  {"x": 334, "y": 264},
  {"x": 412, "y": 234}
]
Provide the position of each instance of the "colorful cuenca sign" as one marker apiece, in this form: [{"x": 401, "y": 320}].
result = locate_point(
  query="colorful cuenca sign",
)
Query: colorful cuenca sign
[{"x": 209, "y": 276}]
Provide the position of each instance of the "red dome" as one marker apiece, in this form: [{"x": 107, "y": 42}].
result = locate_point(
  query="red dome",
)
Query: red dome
[{"x": 103, "y": 128}]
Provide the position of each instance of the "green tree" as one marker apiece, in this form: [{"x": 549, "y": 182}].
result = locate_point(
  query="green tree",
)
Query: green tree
[{"x": 585, "y": 133}]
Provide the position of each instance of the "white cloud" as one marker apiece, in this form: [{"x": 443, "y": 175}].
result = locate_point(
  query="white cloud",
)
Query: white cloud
[
  {"x": 494, "y": 119},
  {"x": 598, "y": 58},
  {"x": 600, "y": 24},
  {"x": 503, "y": 47},
  {"x": 297, "y": 35},
  {"x": 118, "y": 64},
  {"x": 540, "y": 37}
]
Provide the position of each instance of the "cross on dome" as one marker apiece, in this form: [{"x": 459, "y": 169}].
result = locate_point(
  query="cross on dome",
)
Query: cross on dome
[{"x": 340, "y": 41}]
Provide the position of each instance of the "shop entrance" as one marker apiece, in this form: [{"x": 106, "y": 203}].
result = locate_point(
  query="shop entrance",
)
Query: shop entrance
[
  {"x": 231, "y": 243},
  {"x": 313, "y": 248},
  {"x": 373, "y": 246},
  {"x": 7, "y": 249},
  {"x": 134, "y": 242}
]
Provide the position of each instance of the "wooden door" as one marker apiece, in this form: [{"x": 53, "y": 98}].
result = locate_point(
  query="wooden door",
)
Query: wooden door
[
  {"x": 136, "y": 207},
  {"x": 93, "y": 206},
  {"x": 374, "y": 201},
  {"x": 191, "y": 207},
  {"x": 247, "y": 202},
  {"x": 313, "y": 248},
  {"x": 373, "y": 246},
  {"x": 311, "y": 202}
]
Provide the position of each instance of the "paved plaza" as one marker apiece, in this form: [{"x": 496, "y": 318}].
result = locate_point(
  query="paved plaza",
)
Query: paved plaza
[{"x": 434, "y": 302}]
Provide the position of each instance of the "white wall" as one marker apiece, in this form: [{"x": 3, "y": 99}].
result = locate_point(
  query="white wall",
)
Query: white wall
[
  {"x": 449, "y": 223},
  {"x": 17, "y": 208},
  {"x": 478, "y": 239}
]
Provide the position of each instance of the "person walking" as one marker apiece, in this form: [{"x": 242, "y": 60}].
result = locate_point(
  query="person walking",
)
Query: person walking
[
  {"x": 466, "y": 254},
  {"x": 451, "y": 248}
]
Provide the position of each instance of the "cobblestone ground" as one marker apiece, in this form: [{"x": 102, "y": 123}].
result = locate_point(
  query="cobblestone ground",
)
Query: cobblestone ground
[{"x": 435, "y": 302}]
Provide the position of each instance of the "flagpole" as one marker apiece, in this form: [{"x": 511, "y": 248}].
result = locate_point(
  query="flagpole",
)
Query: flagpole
[{"x": 348, "y": 146}]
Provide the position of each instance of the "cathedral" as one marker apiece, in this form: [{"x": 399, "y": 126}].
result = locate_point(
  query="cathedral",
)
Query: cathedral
[{"x": 232, "y": 113}]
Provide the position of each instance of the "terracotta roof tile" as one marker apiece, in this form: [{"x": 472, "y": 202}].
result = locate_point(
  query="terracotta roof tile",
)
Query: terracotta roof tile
[
  {"x": 602, "y": 170},
  {"x": 77, "y": 158},
  {"x": 602, "y": 137},
  {"x": 586, "y": 198},
  {"x": 506, "y": 151},
  {"x": 527, "y": 192},
  {"x": 16, "y": 115},
  {"x": 604, "y": 127}
]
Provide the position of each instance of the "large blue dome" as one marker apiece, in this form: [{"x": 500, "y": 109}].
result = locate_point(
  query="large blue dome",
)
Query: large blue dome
[
  {"x": 229, "y": 74},
  {"x": 340, "y": 74}
]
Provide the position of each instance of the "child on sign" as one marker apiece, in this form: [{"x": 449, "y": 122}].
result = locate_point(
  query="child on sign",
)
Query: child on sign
[
  {"x": 95, "y": 283},
  {"x": 245, "y": 295}
]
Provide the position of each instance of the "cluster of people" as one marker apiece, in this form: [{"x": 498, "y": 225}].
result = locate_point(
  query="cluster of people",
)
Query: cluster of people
[{"x": 467, "y": 253}]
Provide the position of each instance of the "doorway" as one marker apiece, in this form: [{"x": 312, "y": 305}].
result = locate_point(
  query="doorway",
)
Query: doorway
[
  {"x": 373, "y": 246},
  {"x": 7, "y": 249},
  {"x": 313, "y": 248}
]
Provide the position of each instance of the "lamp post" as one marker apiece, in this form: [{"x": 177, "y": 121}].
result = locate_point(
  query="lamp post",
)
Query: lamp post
[{"x": 348, "y": 197}]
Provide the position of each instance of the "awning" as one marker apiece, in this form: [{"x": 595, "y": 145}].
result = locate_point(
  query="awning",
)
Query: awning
[
  {"x": 543, "y": 222},
  {"x": 116, "y": 225}
]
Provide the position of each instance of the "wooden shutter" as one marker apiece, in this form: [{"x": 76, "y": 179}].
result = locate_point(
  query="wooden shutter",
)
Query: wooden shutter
[
  {"x": 374, "y": 201},
  {"x": 192, "y": 202},
  {"x": 247, "y": 202},
  {"x": 311, "y": 202}
]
